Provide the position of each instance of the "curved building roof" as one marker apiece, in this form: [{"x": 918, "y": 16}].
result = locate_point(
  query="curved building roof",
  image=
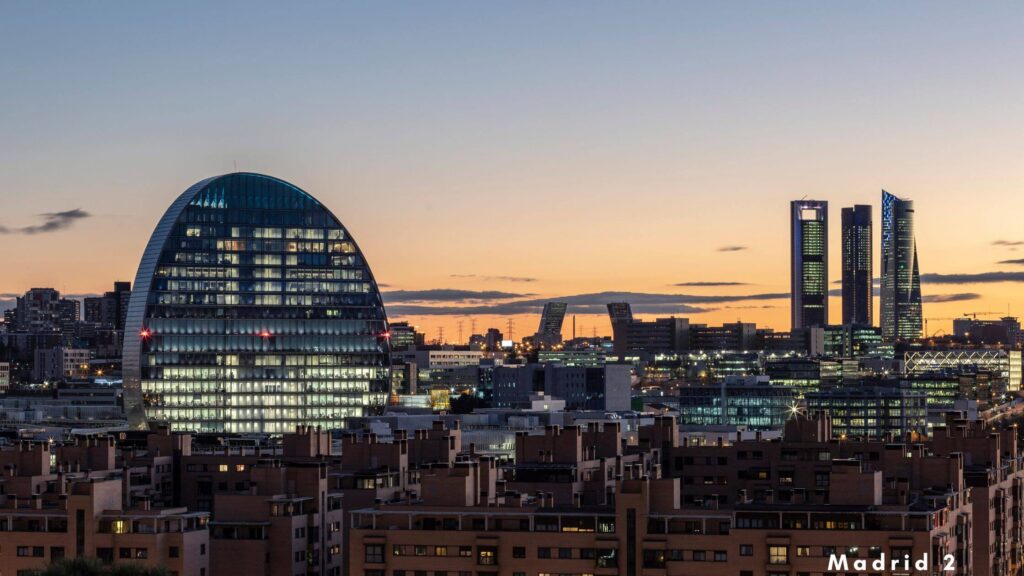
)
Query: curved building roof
[{"x": 247, "y": 281}]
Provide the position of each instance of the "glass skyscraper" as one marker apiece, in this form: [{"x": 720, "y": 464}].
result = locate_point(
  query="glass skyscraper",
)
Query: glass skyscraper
[
  {"x": 809, "y": 262},
  {"x": 901, "y": 282},
  {"x": 253, "y": 311},
  {"x": 549, "y": 332},
  {"x": 857, "y": 268}
]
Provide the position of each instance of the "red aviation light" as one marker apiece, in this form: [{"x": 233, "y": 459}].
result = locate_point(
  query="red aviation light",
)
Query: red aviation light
[
  {"x": 265, "y": 333},
  {"x": 145, "y": 333}
]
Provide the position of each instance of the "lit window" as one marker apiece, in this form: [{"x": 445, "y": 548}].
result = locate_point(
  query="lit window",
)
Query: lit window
[{"x": 778, "y": 555}]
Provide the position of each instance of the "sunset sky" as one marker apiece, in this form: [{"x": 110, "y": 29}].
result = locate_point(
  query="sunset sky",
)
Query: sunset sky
[{"x": 490, "y": 156}]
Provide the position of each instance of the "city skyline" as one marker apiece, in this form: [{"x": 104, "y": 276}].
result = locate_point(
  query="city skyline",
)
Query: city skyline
[{"x": 652, "y": 149}]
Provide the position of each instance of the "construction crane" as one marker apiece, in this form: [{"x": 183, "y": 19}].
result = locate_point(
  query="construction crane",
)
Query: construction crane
[
  {"x": 975, "y": 315},
  {"x": 971, "y": 315},
  {"x": 928, "y": 334}
]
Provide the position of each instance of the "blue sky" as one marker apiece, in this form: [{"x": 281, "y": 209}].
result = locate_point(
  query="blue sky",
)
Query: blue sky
[{"x": 590, "y": 146}]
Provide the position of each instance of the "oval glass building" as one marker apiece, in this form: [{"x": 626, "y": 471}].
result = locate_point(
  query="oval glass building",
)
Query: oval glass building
[{"x": 253, "y": 310}]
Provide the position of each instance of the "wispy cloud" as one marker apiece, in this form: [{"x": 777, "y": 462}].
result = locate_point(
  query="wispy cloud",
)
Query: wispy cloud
[
  {"x": 937, "y": 298},
  {"x": 52, "y": 222},
  {"x": 448, "y": 295},
  {"x": 1015, "y": 262},
  {"x": 593, "y": 303},
  {"x": 1008, "y": 243},
  {"x": 732, "y": 248},
  {"x": 979, "y": 278},
  {"x": 708, "y": 283},
  {"x": 496, "y": 278}
]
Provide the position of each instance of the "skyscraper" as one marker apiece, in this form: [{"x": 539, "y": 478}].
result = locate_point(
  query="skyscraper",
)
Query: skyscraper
[
  {"x": 809, "y": 262},
  {"x": 901, "y": 281},
  {"x": 857, "y": 279},
  {"x": 549, "y": 332},
  {"x": 620, "y": 312},
  {"x": 253, "y": 311}
]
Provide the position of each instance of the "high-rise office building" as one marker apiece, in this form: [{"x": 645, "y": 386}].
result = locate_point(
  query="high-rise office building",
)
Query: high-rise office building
[
  {"x": 857, "y": 269},
  {"x": 253, "y": 310},
  {"x": 809, "y": 262},
  {"x": 549, "y": 332},
  {"x": 901, "y": 281},
  {"x": 620, "y": 312}
]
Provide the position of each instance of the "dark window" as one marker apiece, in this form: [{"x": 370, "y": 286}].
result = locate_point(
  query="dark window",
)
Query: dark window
[{"x": 374, "y": 554}]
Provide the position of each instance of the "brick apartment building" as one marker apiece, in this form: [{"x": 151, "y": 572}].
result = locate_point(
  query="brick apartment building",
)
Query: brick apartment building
[
  {"x": 576, "y": 500},
  {"x": 746, "y": 508}
]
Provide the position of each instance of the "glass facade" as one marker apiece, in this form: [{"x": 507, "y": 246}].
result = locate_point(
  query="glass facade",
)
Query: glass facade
[
  {"x": 901, "y": 281},
  {"x": 857, "y": 266},
  {"x": 253, "y": 311},
  {"x": 760, "y": 406},
  {"x": 809, "y": 221},
  {"x": 871, "y": 413}
]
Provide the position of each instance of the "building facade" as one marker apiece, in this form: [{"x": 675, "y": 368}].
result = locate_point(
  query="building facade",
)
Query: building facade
[
  {"x": 253, "y": 311},
  {"x": 549, "y": 331},
  {"x": 809, "y": 262},
  {"x": 857, "y": 265},
  {"x": 901, "y": 317}
]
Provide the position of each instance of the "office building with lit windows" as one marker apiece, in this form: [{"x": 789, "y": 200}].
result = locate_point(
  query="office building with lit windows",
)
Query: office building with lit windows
[
  {"x": 809, "y": 261},
  {"x": 752, "y": 402},
  {"x": 901, "y": 281},
  {"x": 253, "y": 310},
  {"x": 868, "y": 412},
  {"x": 857, "y": 268},
  {"x": 549, "y": 332}
]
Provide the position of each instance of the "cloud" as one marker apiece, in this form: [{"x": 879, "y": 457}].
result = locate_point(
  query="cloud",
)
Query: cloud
[
  {"x": 937, "y": 298},
  {"x": 979, "y": 278},
  {"x": 1007, "y": 243},
  {"x": 592, "y": 303},
  {"x": 732, "y": 248},
  {"x": 448, "y": 295},
  {"x": 709, "y": 283},
  {"x": 497, "y": 278},
  {"x": 532, "y": 307},
  {"x": 1016, "y": 262},
  {"x": 52, "y": 222}
]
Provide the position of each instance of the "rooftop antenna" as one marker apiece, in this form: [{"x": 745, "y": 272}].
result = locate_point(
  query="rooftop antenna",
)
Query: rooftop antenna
[
  {"x": 235, "y": 164},
  {"x": 510, "y": 325},
  {"x": 459, "y": 324}
]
